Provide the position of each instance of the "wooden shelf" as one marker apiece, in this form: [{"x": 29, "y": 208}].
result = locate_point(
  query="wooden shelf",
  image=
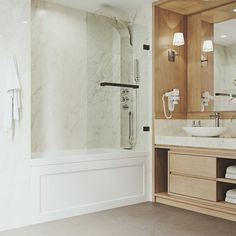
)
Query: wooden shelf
[
  {"x": 227, "y": 205},
  {"x": 224, "y": 180},
  {"x": 162, "y": 194}
]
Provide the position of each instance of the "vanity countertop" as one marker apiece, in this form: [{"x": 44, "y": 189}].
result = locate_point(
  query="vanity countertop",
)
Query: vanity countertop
[{"x": 185, "y": 141}]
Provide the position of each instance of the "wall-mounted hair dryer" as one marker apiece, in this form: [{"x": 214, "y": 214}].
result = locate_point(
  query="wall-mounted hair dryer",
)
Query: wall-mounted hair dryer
[
  {"x": 206, "y": 98},
  {"x": 173, "y": 99}
]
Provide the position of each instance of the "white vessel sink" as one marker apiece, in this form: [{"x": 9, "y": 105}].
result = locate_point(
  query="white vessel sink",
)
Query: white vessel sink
[{"x": 205, "y": 131}]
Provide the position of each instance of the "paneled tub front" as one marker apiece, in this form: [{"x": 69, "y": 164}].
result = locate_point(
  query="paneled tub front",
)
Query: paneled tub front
[{"x": 71, "y": 183}]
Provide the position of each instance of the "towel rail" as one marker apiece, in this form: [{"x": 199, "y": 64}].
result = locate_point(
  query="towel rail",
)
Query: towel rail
[
  {"x": 226, "y": 95},
  {"x": 133, "y": 86}
]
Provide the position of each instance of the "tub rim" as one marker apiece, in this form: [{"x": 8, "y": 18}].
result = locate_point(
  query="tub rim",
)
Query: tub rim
[{"x": 77, "y": 156}]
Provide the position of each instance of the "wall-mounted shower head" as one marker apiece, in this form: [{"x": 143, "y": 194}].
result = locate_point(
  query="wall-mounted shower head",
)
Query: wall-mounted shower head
[
  {"x": 118, "y": 19},
  {"x": 112, "y": 12}
]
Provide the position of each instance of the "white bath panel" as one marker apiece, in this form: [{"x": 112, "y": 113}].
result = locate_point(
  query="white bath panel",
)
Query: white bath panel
[{"x": 71, "y": 189}]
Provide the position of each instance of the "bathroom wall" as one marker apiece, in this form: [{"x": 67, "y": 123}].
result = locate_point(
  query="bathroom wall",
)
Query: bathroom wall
[
  {"x": 59, "y": 77},
  {"x": 72, "y": 52},
  {"x": 103, "y": 63},
  {"x": 70, "y": 110},
  {"x": 224, "y": 76},
  {"x": 169, "y": 75},
  {"x": 69, "y": 60},
  {"x": 15, "y": 154}
]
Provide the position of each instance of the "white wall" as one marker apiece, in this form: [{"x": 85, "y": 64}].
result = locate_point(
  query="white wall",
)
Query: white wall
[{"x": 15, "y": 155}]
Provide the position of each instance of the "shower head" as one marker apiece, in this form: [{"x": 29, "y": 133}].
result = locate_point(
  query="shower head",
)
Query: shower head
[
  {"x": 112, "y": 12},
  {"x": 118, "y": 19},
  {"x": 122, "y": 26}
]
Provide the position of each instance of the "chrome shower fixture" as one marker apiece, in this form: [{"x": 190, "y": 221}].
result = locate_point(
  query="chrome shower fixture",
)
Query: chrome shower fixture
[
  {"x": 205, "y": 100},
  {"x": 125, "y": 98},
  {"x": 136, "y": 71}
]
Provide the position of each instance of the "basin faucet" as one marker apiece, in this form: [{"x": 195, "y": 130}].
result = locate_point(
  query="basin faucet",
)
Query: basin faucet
[{"x": 216, "y": 116}]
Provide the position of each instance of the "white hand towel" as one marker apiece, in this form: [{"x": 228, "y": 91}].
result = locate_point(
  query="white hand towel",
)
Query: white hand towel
[{"x": 12, "y": 93}]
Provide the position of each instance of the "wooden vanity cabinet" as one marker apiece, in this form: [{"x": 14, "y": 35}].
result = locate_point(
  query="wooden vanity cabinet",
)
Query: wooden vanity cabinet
[
  {"x": 192, "y": 165},
  {"x": 192, "y": 176},
  {"x": 194, "y": 179},
  {"x": 192, "y": 187}
]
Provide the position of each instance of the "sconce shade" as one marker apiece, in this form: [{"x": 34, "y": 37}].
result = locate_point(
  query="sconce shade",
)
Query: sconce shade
[
  {"x": 207, "y": 46},
  {"x": 178, "y": 39}
]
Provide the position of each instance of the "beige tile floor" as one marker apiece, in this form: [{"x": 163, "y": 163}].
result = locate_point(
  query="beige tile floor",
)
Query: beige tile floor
[{"x": 146, "y": 219}]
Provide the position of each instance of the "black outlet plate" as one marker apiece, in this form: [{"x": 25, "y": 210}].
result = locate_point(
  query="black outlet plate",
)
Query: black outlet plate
[
  {"x": 146, "y": 128},
  {"x": 146, "y": 47}
]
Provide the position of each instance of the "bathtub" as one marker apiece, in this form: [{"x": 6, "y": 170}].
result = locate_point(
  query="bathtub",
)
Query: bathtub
[{"x": 71, "y": 183}]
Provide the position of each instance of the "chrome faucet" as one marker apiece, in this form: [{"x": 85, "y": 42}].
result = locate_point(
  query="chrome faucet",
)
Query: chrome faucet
[{"x": 216, "y": 116}]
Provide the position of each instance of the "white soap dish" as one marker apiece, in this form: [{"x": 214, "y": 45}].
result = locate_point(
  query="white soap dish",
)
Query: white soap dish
[{"x": 231, "y": 196}]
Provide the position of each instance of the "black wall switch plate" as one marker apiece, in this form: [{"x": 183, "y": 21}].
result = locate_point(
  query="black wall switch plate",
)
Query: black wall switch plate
[
  {"x": 146, "y": 128},
  {"x": 146, "y": 47}
]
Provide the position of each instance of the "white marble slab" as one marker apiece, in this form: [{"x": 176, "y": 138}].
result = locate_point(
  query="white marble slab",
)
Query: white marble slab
[{"x": 184, "y": 141}]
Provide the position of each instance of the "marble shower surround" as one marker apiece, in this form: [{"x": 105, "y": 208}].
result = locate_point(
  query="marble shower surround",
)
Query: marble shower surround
[
  {"x": 69, "y": 108},
  {"x": 59, "y": 85},
  {"x": 72, "y": 52},
  {"x": 103, "y": 103},
  {"x": 71, "y": 55}
]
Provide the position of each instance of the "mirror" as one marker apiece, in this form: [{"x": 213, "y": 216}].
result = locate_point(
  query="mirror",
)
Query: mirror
[
  {"x": 222, "y": 22},
  {"x": 225, "y": 65}
]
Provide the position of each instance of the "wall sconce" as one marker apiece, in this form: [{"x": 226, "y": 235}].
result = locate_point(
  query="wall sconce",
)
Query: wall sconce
[
  {"x": 207, "y": 47},
  {"x": 178, "y": 40}
]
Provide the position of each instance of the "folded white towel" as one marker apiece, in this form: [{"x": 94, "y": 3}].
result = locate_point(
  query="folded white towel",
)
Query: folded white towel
[
  {"x": 231, "y": 172},
  {"x": 231, "y": 196},
  {"x": 12, "y": 99}
]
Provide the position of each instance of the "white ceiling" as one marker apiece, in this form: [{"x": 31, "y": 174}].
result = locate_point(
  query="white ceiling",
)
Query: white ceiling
[
  {"x": 227, "y": 28},
  {"x": 95, "y": 5}
]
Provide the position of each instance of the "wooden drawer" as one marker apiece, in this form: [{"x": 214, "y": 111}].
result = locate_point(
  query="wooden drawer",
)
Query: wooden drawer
[
  {"x": 192, "y": 165},
  {"x": 193, "y": 187}
]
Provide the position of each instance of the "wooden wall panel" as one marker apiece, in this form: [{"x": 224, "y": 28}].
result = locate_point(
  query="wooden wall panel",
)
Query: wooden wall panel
[
  {"x": 220, "y": 14},
  {"x": 194, "y": 63},
  {"x": 189, "y": 76},
  {"x": 207, "y": 69},
  {"x": 189, "y": 7},
  {"x": 200, "y": 75},
  {"x": 169, "y": 75}
]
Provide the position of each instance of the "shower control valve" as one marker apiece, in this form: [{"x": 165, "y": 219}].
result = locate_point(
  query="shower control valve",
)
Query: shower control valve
[
  {"x": 124, "y": 91},
  {"x": 124, "y": 99}
]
